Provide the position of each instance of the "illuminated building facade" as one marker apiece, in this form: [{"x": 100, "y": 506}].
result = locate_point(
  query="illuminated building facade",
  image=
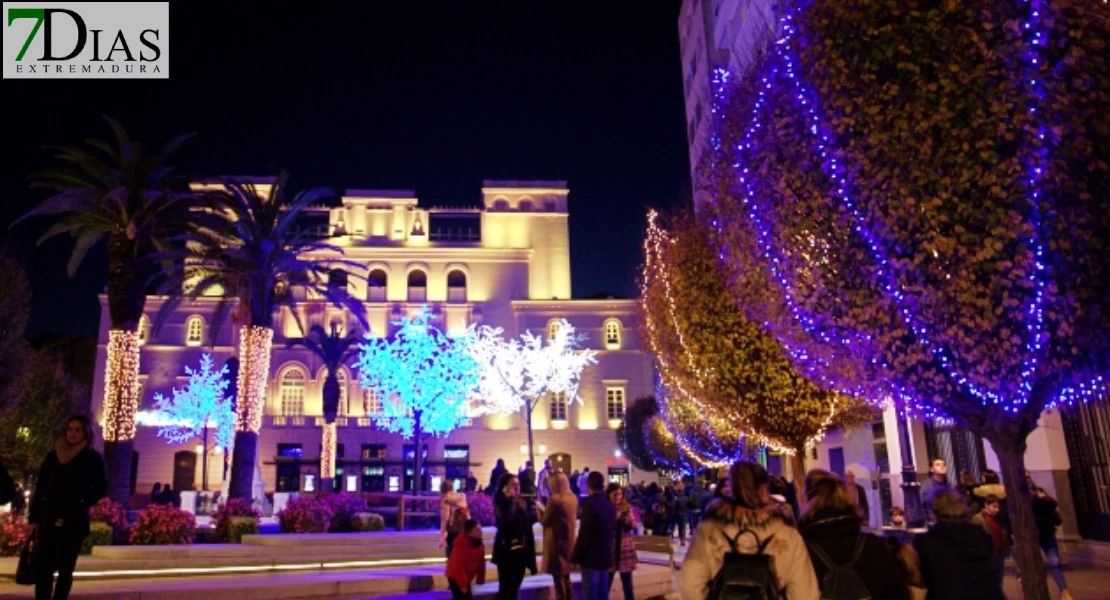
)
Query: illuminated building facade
[{"x": 505, "y": 264}]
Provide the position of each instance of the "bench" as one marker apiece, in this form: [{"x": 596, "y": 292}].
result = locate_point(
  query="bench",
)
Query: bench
[
  {"x": 656, "y": 545},
  {"x": 421, "y": 506}
]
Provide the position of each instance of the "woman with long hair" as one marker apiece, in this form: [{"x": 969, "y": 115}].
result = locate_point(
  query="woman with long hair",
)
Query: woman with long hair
[
  {"x": 71, "y": 480},
  {"x": 749, "y": 508},
  {"x": 626, "y": 546},
  {"x": 514, "y": 547},
  {"x": 832, "y": 528},
  {"x": 559, "y": 518}
]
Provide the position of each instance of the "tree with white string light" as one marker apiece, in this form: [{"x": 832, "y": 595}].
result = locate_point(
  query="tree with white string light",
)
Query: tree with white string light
[{"x": 517, "y": 373}]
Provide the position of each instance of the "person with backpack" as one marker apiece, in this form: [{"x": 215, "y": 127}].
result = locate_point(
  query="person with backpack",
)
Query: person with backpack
[
  {"x": 453, "y": 514},
  {"x": 744, "y": 547},
  {"x": 849, "y": 564}
]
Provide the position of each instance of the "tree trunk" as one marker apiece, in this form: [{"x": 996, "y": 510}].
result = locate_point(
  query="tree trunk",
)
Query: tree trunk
[
  {"x": 418, "y": 435},
  {"x": 204, "y": 462},
  {"x": 1011, "y": 457},
  {"x": 798, "y": 466},
  {"x": 117, "y": 461},
  {"x": 255, "y": 343},
  {"x": 242, "y": 465},
  {"x": 528, "y": 408},
  {"x": 327, "y": 458}
]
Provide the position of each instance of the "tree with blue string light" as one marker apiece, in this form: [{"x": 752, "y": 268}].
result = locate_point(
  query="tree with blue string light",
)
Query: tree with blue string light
[
  {"x": 424, "y": 378},
  {"x": 199, "y": 409},
  {"x": 913, "y": 199}
]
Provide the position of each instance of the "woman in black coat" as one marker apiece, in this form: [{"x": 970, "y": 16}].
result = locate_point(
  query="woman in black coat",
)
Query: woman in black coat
[
  {"x": 514, "y": 546},
  {"x": 71, "y": 480},
  {"x": 832, "y": 528}
]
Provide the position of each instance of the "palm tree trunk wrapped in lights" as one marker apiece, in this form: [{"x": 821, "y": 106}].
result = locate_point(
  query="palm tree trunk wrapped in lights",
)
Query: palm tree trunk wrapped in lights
[
  {"x": 327, "y": 458},
  {"x": 132, "y": 199},
  {"x": 255, "y": 344}
]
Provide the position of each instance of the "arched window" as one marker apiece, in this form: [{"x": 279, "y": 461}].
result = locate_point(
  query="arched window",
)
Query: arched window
[
  {"x": 525, "y": 206},
  {"x": 143, "y": 330},
  {"x": 344, "y": 408},
  {"x": 371, "y": 402},
  {"x": 376, "y": 286},
  {"x": 612, "y": 334},
  {"x": 418, "y": 286},
  {"x": 456, "y": 286},
  {"x": 337, "y": 278},
  {"x": 291, "y": 393},
  {"x": 194, "y": 331},
  {"x": 501, "y": 205}
]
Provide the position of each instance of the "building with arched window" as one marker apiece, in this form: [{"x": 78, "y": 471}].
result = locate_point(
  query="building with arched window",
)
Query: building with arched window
[{"x": 505, "y": 263}]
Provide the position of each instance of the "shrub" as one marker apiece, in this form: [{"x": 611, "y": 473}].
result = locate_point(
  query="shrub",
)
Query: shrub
[
  {"x": 305, "y": 515},
  {"x": 381, "y": 499},
  {"x": 163, "y": 524},
  {"x": 100, "y": 534},
  {"x": 114, "y": 515},
  {"x": 237, "y": 527},
  {"x": 365, "y": 521},
  {"x": 234, "y": 508},
  {"x": 343, "y": 508},
  {"x": 480, "y": 507},
  {"x": 13, "y": 532}
]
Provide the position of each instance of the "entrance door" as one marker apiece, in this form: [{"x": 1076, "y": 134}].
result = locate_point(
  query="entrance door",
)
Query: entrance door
[
  {"x": 1087, "y": 434},
  {"x": 184, "y": 470}
]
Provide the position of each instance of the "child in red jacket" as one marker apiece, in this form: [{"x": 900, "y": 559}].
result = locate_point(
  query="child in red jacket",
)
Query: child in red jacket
[{"x": 467, "y": 561}]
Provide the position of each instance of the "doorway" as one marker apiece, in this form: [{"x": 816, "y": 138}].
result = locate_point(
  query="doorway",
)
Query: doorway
[
  {"x": 561, "y": 462},
  {"x": 184, "y": 470}
]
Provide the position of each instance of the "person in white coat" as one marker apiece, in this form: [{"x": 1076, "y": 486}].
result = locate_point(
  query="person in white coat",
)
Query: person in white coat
[{"x": 749, "y": 507}]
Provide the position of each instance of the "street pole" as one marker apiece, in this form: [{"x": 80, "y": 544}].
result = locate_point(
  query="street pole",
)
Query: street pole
[{"x": 911, "y": 489}]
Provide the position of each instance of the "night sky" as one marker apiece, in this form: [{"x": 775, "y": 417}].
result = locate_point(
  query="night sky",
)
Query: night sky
[{"x": 381, "y": 95}]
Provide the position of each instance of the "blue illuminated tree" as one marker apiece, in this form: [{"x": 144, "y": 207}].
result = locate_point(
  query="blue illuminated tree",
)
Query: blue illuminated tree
[
  {"x": 199, "y": 409},
  {"x": 424, "y": 378}
]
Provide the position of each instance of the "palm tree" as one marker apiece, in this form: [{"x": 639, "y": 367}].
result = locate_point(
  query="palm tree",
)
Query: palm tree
[
  {"x": 135, "y": 202},
  {"x": 333, "y": 350},
  {"x": 252, "y": 248}
]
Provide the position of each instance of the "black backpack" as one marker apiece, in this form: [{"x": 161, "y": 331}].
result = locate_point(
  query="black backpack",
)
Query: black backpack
[
  {"x": 745, "y": 576},
  {"x": 841, "y": 581}
]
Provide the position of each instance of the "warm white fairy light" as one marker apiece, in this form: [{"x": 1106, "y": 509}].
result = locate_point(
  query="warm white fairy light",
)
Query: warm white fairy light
[
  {"x": 254, "y": 360},
  {"x": 121, "y": 385},
  {"x": 327, "y": 452}
]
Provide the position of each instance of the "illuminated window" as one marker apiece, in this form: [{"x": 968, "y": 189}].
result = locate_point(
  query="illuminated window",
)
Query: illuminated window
[
  {"x": 144, "y": 330},
  {"x": 371, "y": 402},
  {"x": 613, "y": 334},
  {"x": 501, "y": 205},
  {"x": 194, "y": 331},
  {"x": 376, "y": 286},
  {"x": 344, "y": 408},
  {"x": 553, "y": 328},
  {"x": 292, "y": 392},
  {"x": 418, "y": 286},
  {"x": 614, "y": 403},
  {"x": 558, "y": 402},
  {"x": 456, "y": 286},
  {"x": 525, "y": 206}
]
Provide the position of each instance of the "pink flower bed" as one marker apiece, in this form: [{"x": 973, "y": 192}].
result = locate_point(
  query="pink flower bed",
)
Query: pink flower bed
[
  {"x": 305, "y": 515},
  {"x": 236, "y": 507},
  {"x": 13, "y": 532},
  {"x": 481, "y": 508},
  {"x": 343, "y": 507},
  {"x": 161, "y": 524}
]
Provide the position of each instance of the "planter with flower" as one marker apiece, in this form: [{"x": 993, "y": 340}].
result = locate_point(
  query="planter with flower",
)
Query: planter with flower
[
  {"x": 343, "y": 508},
  {"x": 305, "y": 515},
  {"x": 234, "y": 519},
  {"x": 114, "y": 516},
  {"x": 160, "y": 524}
]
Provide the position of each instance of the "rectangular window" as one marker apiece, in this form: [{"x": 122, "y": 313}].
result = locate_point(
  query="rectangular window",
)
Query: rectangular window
[
  {"x": 373, "y": 451},
  {"x": 614, "y": 403},
  {"x": 558, "y": 402},
  {"x": 289, "y": 469},
  {"x": 371, "y": 402}
]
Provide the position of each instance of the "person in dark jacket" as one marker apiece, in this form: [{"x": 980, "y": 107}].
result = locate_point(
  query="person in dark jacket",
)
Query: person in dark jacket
[
  {"x": 514, "y": 546},
  {"x": 681, "y": 511},
  {"x": 936, "y": 483},
  {"x": 71, "y": 480},
  {"x": 957, "y": 557},
  {"x": 832, "y": 527},
  {"x": 1047, "y": 518},
  {"x": 595, "y": 549},
  {"x": 495, "y": 476}
]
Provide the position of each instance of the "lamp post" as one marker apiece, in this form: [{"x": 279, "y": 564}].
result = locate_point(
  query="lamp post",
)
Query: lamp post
[{"x": 911, "y": 489}]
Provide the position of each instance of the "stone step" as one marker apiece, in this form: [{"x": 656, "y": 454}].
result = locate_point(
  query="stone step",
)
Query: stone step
[{"x": 650, "y": 581}]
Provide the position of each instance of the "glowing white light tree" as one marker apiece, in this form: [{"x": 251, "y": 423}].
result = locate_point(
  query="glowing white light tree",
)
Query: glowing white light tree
[
  {"x": 198, "y": 408},
  {"x": 425, "y": 380},
  {"x": 517, "y": 373}
]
